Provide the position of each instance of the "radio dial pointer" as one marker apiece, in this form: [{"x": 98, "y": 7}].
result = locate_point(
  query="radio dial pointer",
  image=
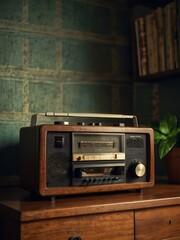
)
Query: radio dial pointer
[{"x": 79, "y": 158}]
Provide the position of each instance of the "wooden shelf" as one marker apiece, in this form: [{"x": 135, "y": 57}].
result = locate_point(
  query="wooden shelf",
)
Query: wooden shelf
[
  {"x": 159, "y": 77},
  {"x": 150, "y": 3}
]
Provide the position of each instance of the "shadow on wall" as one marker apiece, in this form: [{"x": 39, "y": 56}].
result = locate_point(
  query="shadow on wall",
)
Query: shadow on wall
[{"x": 9, "y": 165}]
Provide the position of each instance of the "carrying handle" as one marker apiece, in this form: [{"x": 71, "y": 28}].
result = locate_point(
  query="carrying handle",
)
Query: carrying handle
[{"x": 88, "y": 115}]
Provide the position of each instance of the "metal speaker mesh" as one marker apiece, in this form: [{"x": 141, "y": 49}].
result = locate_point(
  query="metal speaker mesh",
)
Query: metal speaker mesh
[{"x": 57, "y": 169}]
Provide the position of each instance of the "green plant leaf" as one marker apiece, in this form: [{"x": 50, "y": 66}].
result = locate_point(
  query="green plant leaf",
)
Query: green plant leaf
[
  {"x": 158, "y": 136},
  {"x": 163, "y": 127},
  {"x": 166, "y": 146},
  {"x": 172, "y": 122},
  {"x": 168, "y": 124},
  {"x": 167, "y": 135}
]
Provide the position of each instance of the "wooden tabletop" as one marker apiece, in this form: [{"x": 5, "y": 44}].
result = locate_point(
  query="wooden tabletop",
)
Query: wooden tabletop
[{"x": 18, "y": 202}]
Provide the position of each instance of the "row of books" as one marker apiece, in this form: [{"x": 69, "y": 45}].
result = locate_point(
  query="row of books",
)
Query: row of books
[{"x": 158, "y": 39}]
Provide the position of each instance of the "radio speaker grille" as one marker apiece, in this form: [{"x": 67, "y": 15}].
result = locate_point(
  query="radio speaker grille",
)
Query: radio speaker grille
[
  {"x": 58, "y": 167},
  {"x": 136, "y": 152},
  {"x": 135, "y": 143}
]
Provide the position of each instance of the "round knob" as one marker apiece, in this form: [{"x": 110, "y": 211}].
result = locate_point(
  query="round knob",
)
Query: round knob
[
  {"x": 170, "y": 221},
  {"x": 75, "y": 238},
  {"x": 137, "y": 169},
  {"x": 104, "y": 179},
  {"x": 91, "y": 180}
]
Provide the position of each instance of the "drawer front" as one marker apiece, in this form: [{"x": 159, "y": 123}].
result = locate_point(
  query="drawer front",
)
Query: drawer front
[
  {"x": 158, "y": 223},
  {"x": 90, "y": 227}
]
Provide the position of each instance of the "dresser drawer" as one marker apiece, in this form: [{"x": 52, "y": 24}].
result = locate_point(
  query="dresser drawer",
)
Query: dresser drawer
[
  {"x": 158, "y": 223},
  {"x": 88, "y": 227}
]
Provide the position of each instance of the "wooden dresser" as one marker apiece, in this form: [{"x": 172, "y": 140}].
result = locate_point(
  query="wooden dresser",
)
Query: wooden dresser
[{"x": 153, "y": 214}]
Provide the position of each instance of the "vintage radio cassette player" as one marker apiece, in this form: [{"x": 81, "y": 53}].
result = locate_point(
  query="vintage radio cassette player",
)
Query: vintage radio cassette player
[{"x": 89, "y": 153}]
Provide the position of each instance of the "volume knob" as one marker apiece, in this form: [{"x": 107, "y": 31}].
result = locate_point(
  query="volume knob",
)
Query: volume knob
[{"x": 137, "y": 169}]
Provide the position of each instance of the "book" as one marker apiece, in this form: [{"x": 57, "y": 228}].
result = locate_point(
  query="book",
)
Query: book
[
  {"x": 178, "y": 29},
  {"x": 168, "y": 37},
  {"x": 160, "y": 37},
  {"x": 155, "y": 46},
  {"x": 142, "y": 47},
  {"x": 139, "y": 12},
  {"x": 175, "y": 33},
  {"x": 137, "y": 46},
  {"x": 149, "y": 42},
  {"x": 151, "y": 32}
]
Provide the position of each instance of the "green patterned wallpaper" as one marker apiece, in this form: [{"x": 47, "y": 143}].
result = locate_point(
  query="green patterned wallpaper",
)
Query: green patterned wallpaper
[{"x": 61, "y": 56}]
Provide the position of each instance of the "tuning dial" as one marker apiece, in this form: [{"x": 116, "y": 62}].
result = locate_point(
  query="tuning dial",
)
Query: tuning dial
[{"x": 137, "y": 169}]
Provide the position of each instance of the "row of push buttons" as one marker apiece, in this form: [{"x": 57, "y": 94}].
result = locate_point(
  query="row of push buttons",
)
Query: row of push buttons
[
  {"x": 90, "y": 124},
  {"x": 96, "y": 180}
]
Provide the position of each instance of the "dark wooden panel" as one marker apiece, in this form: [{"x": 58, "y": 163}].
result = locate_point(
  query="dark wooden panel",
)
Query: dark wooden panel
[
  {"x": 112, "y": 226},
  {"x": 9, "y": 227},
  {"x": 158, "y": 223}
]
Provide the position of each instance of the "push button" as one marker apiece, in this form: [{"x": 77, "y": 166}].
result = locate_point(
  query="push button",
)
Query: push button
[{"x": 59, "y": 141}]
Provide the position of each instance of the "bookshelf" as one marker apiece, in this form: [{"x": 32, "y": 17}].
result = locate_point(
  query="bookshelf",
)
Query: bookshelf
[
  {"x": 156, "y": 40},
  {"x": 159, "y": 77}
]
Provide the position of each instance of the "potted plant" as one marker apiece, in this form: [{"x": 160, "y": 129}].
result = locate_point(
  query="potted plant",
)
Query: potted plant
[{"x": 167, "y": 137}]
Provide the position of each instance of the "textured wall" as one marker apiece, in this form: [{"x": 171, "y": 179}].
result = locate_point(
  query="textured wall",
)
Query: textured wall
[
  {"x": 155, "y": 101},
  {"x": 62, "y": 56}
]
